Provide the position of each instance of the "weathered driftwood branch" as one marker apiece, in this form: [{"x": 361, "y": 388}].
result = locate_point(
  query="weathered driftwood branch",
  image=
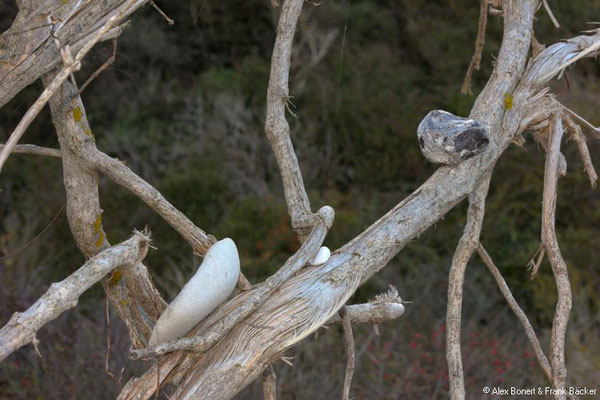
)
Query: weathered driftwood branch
[
  {"x": 584, "y": 152},
  {"x": 34, "y": 150},
  {"x": 21, "y": 329},
  {"x": 476, "y": 60},
  {"x": 130, "y": 289},
  {"x": 466, "y": 246},
  {"x": 386, "y": 308},
  {"x": 269, "y": 383},
  {"x": 349, "y": 341},
  {"x": 119, "y": 173},
  {"x": 70, "y": 65},
  {"x": 276, "y": 125},
  {"x": 559, "y": 267},
  {"x": 519, "y": 313},
  {"x": 28, "y": 47}
]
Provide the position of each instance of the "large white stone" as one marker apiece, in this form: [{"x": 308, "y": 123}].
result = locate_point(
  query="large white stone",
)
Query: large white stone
[{"x": 210, "y": 286}]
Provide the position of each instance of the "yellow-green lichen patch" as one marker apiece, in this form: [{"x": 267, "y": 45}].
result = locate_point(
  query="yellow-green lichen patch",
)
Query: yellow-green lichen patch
[
  {"x": 100, "y": 240},
  {"x": 115, "y": 278},
  {"x": 123, "y": 302},
  {"x": 508, "y": 101},
  {"x": 77, "y": 114},
  {"x": 98, "y": 223},
  {"x": 87, "y": 130}
]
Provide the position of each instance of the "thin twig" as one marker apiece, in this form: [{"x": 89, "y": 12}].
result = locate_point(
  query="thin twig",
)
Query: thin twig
[
  {"x": 162, "y": 13},
  {"x": 476, "y": 60},
  {"x": 535, "y": 265},
  {"x": 559, "y": 267},
  {"x": 70, "y": 65},
  {"x": 584, "y": 152},
  {"x": 349, "y": 341},
  {"x": 106, "y": 64},
  {"x": 550, "y": 14},
  {"x": 514, "y": 306},
  {"x": 36, "y": 237},
  {"x": 595, "y": 130},
  {"x": 34, "y": 150}
]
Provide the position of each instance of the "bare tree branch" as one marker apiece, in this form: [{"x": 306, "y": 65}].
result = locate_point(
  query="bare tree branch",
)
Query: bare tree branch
[
  {"x": 476, "y": 60},
  {"x": 21, "y": 329},
  {"x": 584, "y": 152},
  {"x": 35, "y": 150},
  {"x": 121, "y": 174},
  {"x": 349, "y": 341},
  {"x": 70, "y": 65},
  {"x": 276, "y": 125},
  {"x": 520, "y": 314},
  {"x": 559, "y": 267},
  {"x": 466, "y": 246},
  {"x": 270, "y": 384}
]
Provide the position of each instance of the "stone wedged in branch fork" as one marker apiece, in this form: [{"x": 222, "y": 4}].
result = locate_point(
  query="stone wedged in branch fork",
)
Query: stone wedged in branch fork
[
  {"x": 217, "y": 325},
  {"x": 445, "y": 138},
  {"x": 21, "y": 329},
  {"x": 28, "y": 50}
]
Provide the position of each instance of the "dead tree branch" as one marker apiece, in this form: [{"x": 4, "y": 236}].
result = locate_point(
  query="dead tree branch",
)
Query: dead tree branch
[
  {"x": 70, "y": 65},
  {"x": 519, "y": 313},
  {"x": 21, "y": 329},
  {"x": 559, "y": 267},
  {"x": 349, "y": 341},
  {"x": 276, "y": 125},
  {"x": 270, "y": 384},
  {"x": 476, "y": 60},
  {"x": 34, "y": 150},
  {"x": 466, "y": 246}
]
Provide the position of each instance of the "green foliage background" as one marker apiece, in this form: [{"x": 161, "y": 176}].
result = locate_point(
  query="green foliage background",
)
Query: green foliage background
[{"x": 184, "y": 106}]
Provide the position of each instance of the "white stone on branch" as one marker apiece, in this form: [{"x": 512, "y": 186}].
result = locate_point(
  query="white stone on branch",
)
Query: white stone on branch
[
  {"x": 209, "y": 287},
  {"x": 322, "y": 256}
]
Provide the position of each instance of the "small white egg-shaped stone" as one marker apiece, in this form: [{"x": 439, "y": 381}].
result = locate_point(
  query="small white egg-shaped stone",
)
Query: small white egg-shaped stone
[
  {"x": 322, "y": 256},
  {"x": 396, "y": 310},
  {"x": 210, "y": 286}
]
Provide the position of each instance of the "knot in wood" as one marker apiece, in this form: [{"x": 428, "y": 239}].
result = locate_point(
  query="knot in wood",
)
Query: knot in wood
[{"x": 445, "y": 138}]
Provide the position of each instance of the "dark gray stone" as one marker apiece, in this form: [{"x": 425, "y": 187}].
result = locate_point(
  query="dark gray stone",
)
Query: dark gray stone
[{"x": 445, "y": 138}]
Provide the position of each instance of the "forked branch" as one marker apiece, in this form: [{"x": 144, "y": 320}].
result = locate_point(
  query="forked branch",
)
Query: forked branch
[
  {"x": 466, "y": 246},
  {"x": 276, "y": 125},
  {"x": 559, "y": 267}
]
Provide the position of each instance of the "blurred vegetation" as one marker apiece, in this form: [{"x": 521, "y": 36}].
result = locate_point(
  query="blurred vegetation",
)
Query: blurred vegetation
[{"x": 184, "y": 107}]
